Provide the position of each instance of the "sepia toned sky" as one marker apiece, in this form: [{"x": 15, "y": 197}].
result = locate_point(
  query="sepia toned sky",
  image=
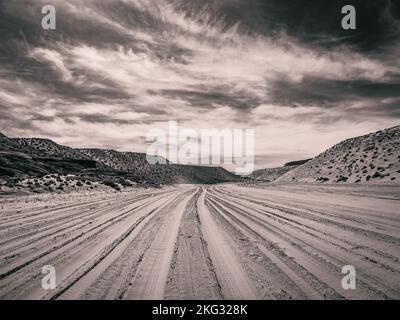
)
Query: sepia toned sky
[{"x": 114, "y": 69}]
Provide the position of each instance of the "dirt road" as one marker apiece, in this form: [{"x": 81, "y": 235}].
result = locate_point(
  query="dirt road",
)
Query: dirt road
[{"x": 204, "y": 242}]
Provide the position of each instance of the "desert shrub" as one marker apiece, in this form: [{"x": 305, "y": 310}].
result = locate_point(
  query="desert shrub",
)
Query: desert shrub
[
  {"x": 79, "y": 184},
  {"x": 377, "y": 175}
]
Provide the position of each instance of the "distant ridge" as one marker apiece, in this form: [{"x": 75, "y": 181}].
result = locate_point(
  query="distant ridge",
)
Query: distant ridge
[
  {"x": 271, "y": 174},
  {"x": 296, "y": 163},
  {"x": 136, "y": 164}
]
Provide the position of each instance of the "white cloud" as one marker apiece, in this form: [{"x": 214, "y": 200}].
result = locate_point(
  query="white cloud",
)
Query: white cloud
[{"x": 55, "y": 59}]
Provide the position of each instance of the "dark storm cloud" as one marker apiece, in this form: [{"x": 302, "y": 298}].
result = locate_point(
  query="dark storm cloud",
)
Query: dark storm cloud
[
  {"x": 328, "y": 93},
  {"x": 216, "y": 96},
  {"x": 311, "y": 21},
  {"x": 98, "y": 118},
  {"x": 40, "y": 117},
  {"x": 101, "y": 118}
]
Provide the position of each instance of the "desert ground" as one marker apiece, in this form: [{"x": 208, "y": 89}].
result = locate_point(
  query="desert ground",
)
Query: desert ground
[{"x": 227, "y": 241}]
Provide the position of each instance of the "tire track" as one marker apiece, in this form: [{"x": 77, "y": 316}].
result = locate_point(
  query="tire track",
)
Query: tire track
[
  {"x": 89, "y": 276},
  {"x": 315, "y": 252},
  {"x": 152, "y": 274},
  {"x": 76, "y": 243},
  {"x": 233, "y": 279}
]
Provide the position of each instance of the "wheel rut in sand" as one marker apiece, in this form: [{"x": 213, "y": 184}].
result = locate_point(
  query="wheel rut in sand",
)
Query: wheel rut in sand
[
  {"x": 152, "y": 274},
  {"x": 233, "y": 279},
  {"x": 192, "y": 274}
]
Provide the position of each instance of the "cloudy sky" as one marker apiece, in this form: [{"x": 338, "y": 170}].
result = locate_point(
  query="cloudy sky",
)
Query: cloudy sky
[{"x": 114, "y": 69}]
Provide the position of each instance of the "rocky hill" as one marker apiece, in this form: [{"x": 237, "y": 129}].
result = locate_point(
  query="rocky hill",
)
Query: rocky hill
[
  {"x": 373, "y": 158},
  {"x": 23, "y": 158},
  {"x": 11, "y": 145}
]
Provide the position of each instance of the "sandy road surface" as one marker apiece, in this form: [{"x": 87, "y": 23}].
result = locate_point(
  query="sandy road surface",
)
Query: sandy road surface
[{"x": 204, "y": 242}]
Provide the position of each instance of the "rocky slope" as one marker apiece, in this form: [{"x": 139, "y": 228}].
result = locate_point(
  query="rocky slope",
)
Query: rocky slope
[
  {"x": 373, "y": 158},
  {"x": 47, "y": 147},
  {"x": 22, "y": 159}
]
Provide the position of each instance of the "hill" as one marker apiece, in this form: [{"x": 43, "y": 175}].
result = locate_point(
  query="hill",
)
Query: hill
[
  {"x": 372, "y": 158},
  {"x": 25, "y": 158}
]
